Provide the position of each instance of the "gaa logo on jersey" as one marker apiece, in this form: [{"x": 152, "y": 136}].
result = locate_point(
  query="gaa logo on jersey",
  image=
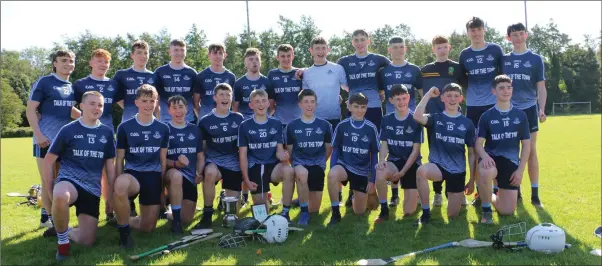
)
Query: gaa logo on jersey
[
  {"x": 319, "y": 131},
  {"x": 365, "y": 139},
  {"x": 89, "y": 87},
  {"x": 490, "y": 58},
  {"x": 262, "y": 87},
  {"x": 462, "y": 128},
  {"x": 273, "y": 131},
  {"x": 516, "y": 121},
  {"x": 388, "y": 75},
  {"x": 439, "y": 123},
  {"x": 190, "y": 136},
  {"x": 298, "y": 131},
  {"x": 352, "y": 64},
  {"x": 409, "y": 130},
  {"x": 245, "y": 88},
  {"x": 166, "y": 76},
  {"x": 390, "y": 128},
  {"x": 234, "y": 125},
  {"x": 186, "y": 77},
  {"x": 157, "y": 135},
  {"x": 469, "y": 60},
  {"x": 102, "y": 139}
]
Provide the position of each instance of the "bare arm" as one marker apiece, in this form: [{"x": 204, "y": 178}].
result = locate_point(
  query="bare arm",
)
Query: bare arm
[
  {"x": 200, "y": 166},
  {"x": 33, "y": 120},
  {"x": 119, "y": 162},
  {"x": 235, "y": 106},
  {"x": 196, "y": 100},
  {"x": 383, "y": 152},
  {"x": 281, "y": 153},
  {"x": 110, "y": 170},
  {"x": 328, "y": 150},
  {"x": 479, "y": 149},
  {"x": 244, "y": 165},
  {"x": 49, "y": 161},
  {"x": 524, "y": 154},
  {"x": 542, "y": 96},
  {"x": 420, "y": 109},
  {"x": 120, "y": 103},
  {"x": 421, "y": 92},
  {"x": 163, "y": 161},
  {"x": 157, "y": 111},
  {"x": 75, "y": 113},
  {"x": 382, "y": 96},
  {"x": 471, "y": 164},
  {"x": 345, "y": 87}
]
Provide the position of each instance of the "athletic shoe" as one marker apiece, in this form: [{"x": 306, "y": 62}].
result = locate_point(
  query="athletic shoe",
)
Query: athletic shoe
[
  {"x": 176, "y": 228},
  {"x": 126, "y": 241},
  {"x": 303, "y": 219},
  {"x": 394, "y": 202},
  {"x": 50, "y": 232},
  {"x": 62, "y": 252},
  {"x": 334, "y": 220},
  {"x": 295, "y": 203},
  {"x": 437, "y": 200},
  {"x": 424, "y": 219},
  {"x": 205, "y": 222},
  {"x": 349, "y": 202},
  {"x": 487, "y": 218},
  {"x": 47, "y": 224},
  {"x": 536, "y": 202}
]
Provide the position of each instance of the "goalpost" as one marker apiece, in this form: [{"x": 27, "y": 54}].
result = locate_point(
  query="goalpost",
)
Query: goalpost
[{"x": 572, "y": 108}]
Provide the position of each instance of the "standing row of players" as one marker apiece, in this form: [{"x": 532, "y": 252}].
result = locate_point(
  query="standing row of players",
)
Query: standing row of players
[{"x": 371, "y": 74}]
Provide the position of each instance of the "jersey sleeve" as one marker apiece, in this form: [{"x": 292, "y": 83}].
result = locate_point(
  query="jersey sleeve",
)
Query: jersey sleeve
[
  {"x": 37, "y": 91},
  {"x": 110, "y": 147},
  {"x": 78, "y": 91},
  {"x": 198, "y": 84},
  {"x": 470, "y": 132},
  {"x": 165, "y": 139},
  {"x": 419, "y": 134},
  {"x": 483, "y": 127},
  {"x": 238, "y": 91},
  {"x": 158, "y": 84},
  {"x": 384, "y": 61},
  {"x": 119, "y": 87},
  {"x": 328, "y": 135},
  {"x": 342, "y": 75},
  {"x": 270, "y": 86},
  {"x": 203, "y": 131},
  {"x": 242, "y": 135},
  {"x": 122, "y": 140},
  {"x": 304, "y": 84},
  {"x": 540, "y": 71},
  {"x": 524, "y": 128},
  {"x": 375, "y": 143},
  {"x": 199, "y": 143},
  {"x": 231, "y": 79},
  {"x": 336, "y": 137},
  {"x": 279, "y": 134},
  {"x": 418, "y": 81},
  {"x": 60, "y": 142},
  {"x": 383, "y": 129},
  {"x": 288, "y": 135}
]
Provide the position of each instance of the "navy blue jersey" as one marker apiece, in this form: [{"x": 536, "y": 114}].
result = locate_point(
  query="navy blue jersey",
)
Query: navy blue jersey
[
  {"x": 185, "y": 140},
  {"x": 503, "y": 131},
  {"x": 407, "y": 74},
  {"x": 284, "y": 89},
  {"x": 439, "y": 74},
  {"x": 220, "y": 135},
  {"x": 106, "y": 87},
  {"x": 481, "y": 66},
  {"x": 261, "y": 139},
  {"x": 128, "y": 80},
  {"x": 355, "y": 145},
  {"x": 170, "y": 82},
  {"x": 308, "y": 140},
  {"x": 83, "y": 151},
  {"x": 525, "y": 70},
  {"x": 204, "y": 84},
  {"x": 362, "y": 75},
  {"x": 242, "y": 90},
  {"x": 142, "y": 144},
  {"x": 400, "y": 134},
  {"x": 56, "y": 99},
  {"x": 450, "y": 136}
]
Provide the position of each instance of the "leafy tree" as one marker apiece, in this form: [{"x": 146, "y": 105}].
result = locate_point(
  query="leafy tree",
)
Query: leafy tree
[{"x": 11, "y": 107}]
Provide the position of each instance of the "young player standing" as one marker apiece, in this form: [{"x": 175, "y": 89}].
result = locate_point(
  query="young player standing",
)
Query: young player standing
[
  {"x": 354, "y": 157},
  {"x": 262, "y": 155},
  {"x": 142, "y": 141},
  {"x": 284, "y": 87},
  {"x": 527, "y": 71},
  {"x": 219, "y": 130},
  {"x": 175, "y": 78},
  {"x": 207, "y": 79},
  {"x": 503, "y": 129},
  {"x": 252, "y": 80},
  {"x": 400, "y": 140},
  {"x": 451, "y": 135},
  {"x": 308, "y": 142},
  {"x": 85, "y": 147},
  {"x": 52, "y": 98}
]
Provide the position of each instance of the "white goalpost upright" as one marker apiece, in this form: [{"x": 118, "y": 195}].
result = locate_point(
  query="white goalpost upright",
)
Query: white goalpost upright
[{"x": 566, "y": 107}]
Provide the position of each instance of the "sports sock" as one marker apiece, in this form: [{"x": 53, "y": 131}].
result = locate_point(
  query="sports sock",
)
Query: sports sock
[
  {"x": 44, "y": 214},
  {"x": 335, "y": 208},
  {"x": 208, "y": 210},
  {"x": 175, "y": 211},
  {"x": 486, "y": 207},
  {"x": 395, "y": 192},
  {"x": 438, "y": 187},
  {"x": 534, "y": 191},
  {"x": 50, "y": 218},
  {"x": 124, "y": 229},
  {"x": 426, "y": 210},
  {"x": 304, "y": 206},
  {"x": 384, "y": 208},
  {"x": 495, "y": 189},
  {"x": 63, "y": 238},
  {"x": 285, "y": 208}
]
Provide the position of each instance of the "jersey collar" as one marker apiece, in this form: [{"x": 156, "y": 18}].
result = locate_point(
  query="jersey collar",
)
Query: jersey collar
[
  {"x": 448, "y": 115},
  {"x": 142, "y": 124},
  {"x": 86, "y": 126}
]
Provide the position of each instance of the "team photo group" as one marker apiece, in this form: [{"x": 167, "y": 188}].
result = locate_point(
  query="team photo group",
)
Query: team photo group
[{"x": 182, "y": 131}]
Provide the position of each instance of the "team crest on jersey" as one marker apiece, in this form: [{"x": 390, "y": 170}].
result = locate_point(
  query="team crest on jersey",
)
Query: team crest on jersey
[
  {"x": 408, "y": 75},
  {"x": 102, "y": 139},
  {"x": 186, "y": 77},
  {"x": 450, "y": 71},
  {"x": 190, "y": 136},
  {"x": 365, "y": 138},
  {"x": 490, "y": 58},
  {"x": 527, "y": 64},
  {"x": 409, "y": 130},
  {"x": 319, "y": 131},
  {"x": 262, "y": 87},
  {"x": 150, "y": 81},
  {"x": 110, "y": 88},
  {"x": 371, "y": 63},
  {"x": 462, "y": 127},
  {"x": 234, "y": 125},
  {"x": 273, "y": 131},
  {"x": 157, "y": 135},
  {"x": 516, "y": 121}
]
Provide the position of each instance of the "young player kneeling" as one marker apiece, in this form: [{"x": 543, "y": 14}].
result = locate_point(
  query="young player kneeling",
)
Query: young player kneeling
[
  {"x": 400, "y": 137},
  {"x": 308, "y": 141},
  {"x": 354, "y": 158},
  {"x": 262, "y": 154},
  {"x": 503, "y": 129},
  {"x": 451, "y": 133},
  {"x": 85, "y": 147}
]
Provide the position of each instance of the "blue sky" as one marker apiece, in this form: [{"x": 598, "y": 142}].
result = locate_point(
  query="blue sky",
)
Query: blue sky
[{"x": 25, "y": 24}]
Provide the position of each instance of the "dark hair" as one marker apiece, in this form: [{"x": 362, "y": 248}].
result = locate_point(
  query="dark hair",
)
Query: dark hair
[
  {"x": 398, "y": 89},
  {"x": 177, "y": 42},
  {"x": 216, "y": 47},
  {"x": 439, "y": 40},
  {"x": 140, "y": 44},
  {"x": 251, "y": 52},
  {"x": 360, "y": 32},
  {"x": 515, "y": 27},
  {"x": 61, "y": 53},
  {"x": 307, "y": 92},
  {"x": 146, "y": 90},
  {"x": 175, "y": 100},
  {"x": 396, "y": 39},
  {"x": 475, "y": 22},
  {"x": 499, "y": 79},
  {"x": 284, "y": 48},
  {"x": 452, "y": 87},
  {"x": 222, "y": 86},
  {"x": 318, "y": 40},
  {"x": 358, "y": 98}
]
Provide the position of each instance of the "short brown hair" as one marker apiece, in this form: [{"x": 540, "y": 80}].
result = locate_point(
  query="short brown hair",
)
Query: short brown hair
[
  {"x": 258, "y": 92},
  {"x": 358, "y": 98},
  {"x": 177, "y": 42},
  {"x": 175, "y": 100},
  {"x": 222, "y": 87},
  {"x": 61, "y": 53},
  {"x": 475, "y": 23},
  {"x": 284, "y": 48},
  {"x": 92, "y": 93},
  {"x": 140, "y": 44},
  {"x": 101, "y": 53},
  {"x": 452, "y": 87},
  {"x": 499, "y": 79},
  {"x": 318, "y": 40},
  {"x": 146, "y": 90},
  {"x": 251, "y": 51},
  {"x": 360, "y": 32},
  {"x": 216, "y": 47},
  {"x": 439, "y": 40}
]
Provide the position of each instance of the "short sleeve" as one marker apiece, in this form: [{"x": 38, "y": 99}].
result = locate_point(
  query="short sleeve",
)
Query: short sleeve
[
  {"x": 383, "y": 61},
  {"x": 342, "y": 75},
  {"x": 540, "y": 72},
  {"x": 78, "y": 91},
  {"x": 270, "y": 87},
  {"x": 383, "y": 129},
  {"x": 122, "y": 140},
  {"x": 119, "y": 87},
  {"x": 110, "y": 146},
  {"x": 328, "y": 135},
  {"x": 238, "y": 91},
  {"x": 470, "y": 132},
  {"x": 198, "y": 84},
  {"x": 483, "y": 127},
  {"x": 199, "y": 143},
  {"x": 375, "y": 144},
  {"x": 289, "y": 136},
  {"x": 418, "y": 80},
  {"x": 203, "y": 131},
  {"x": 158, "y": 82},
  {"x": 336, "y": 139},
  {"x": 231, "y": 79},
  {"x": 418, "y": 134},
  {"x": 304, "y": 84},
  {"x": 242, "y": 135},
  {"x": 37, "y": 91},
  {"x": 524, "y": 128},
  {"x": 60, "y": 142},
  {"x": 279, "y": 137},
  {"x": 165, "y": 139}
]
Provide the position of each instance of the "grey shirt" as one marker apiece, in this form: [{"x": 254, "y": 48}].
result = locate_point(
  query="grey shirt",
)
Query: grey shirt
[{"x": 326, "y": 81}]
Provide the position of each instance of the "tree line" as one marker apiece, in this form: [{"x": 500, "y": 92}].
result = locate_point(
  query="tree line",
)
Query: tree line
[{"x": 572, "y": 70}]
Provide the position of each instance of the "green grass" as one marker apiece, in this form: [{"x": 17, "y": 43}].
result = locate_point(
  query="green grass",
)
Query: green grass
[{"x": 569, "y": 149}]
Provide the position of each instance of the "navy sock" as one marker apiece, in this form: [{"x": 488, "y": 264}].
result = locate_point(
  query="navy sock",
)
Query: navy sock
[
  {"x": 486, "y": 207},
  {"x": 208, "y": 210},
  {"x": 335, "y": 208},
  {"x": 534, "y": 191},
  {"x": 304, "y": 206},
  {"x": 394, "y": 192},
  {"x": 285, "y": 208},
  {"x": 495, "y": 189},
  {"x": 426, "y": 210},
  {"x": 44, "y": 217},
  {"x": 175, "y": 211},
  {"x": 384, "y": 208},
  {"x": 124, "y": 229}
]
